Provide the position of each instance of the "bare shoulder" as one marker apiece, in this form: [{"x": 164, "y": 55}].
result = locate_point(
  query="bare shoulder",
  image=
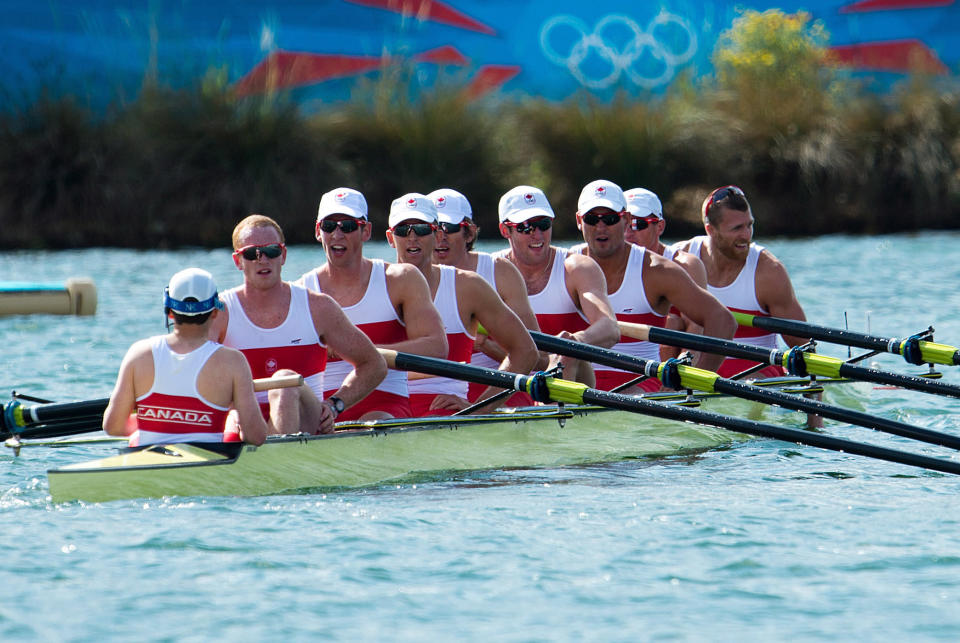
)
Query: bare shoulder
[
  {"x": 471, "y": 284},
  {"x": 683, "y": 246},
  {"x": 503, "y": 267},
  {"x": 229, "y": 359},
  {"x": 579, "y": 263},
  {"x": 403, "y": 273},
  {"x": 769, "y": 267},
  {"x": 139, "y": 349}
]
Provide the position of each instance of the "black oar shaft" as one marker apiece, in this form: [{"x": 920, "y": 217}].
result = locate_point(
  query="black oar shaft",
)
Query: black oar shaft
[
  {"x": 746, "y": 391},
  {"x": 759, "y": 429}
]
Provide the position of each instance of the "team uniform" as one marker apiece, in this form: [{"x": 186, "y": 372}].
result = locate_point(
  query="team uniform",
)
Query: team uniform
[
  {"x": 486, "y": 268},
  {"x": 460, "y": 348},
  {"x": 173, "y": 410},
  {"x": 294, "y": 344},
  {"x": 376, "y": 317},
  {"x": 630, "y": 304},
  {"x": 741, "y": 296}
]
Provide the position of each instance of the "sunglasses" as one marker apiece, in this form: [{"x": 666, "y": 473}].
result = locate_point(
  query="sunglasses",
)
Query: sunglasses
[
  {"x": 252, "y": 253},
  {"x": 610, "y": 218},
  {"x": 419, "y": 229},
  {"x": 722, "y": 193},
  {"x": 527, "y": 227},
  {"x": 346, "y": 225},
  {"x": 452, "y": 228},
  {"x": 642, "y": 223}
]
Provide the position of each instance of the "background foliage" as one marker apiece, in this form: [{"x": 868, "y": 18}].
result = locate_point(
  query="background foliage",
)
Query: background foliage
[{"x": 815, "y": 153}]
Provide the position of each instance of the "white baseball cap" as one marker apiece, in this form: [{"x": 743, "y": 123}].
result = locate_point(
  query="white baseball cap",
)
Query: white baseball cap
[
  {"x": 452, "y": 207},
  {"x": 642, "y": 203},
  {"x": 191, "y": 292},
  {"x": 601, "y": 194},
  {"x": 524, "y": 202},
  {"x": 412, "y": 206},
  {"x": 342, "y": 201}
]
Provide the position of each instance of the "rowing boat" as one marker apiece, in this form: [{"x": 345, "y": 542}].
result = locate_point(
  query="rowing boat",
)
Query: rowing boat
[
  {"x": 76, "y": 297},
  {"x": 364, "y": 454}
]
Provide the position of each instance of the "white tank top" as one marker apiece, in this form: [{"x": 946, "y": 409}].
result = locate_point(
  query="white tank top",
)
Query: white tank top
[
  {"x": 741, "y": 295},
  {"x": 553, "y": 307},
  {"x": 375, "y": 315},
  {"x": 173, "y": 409},
  {"x": 459, "y": 340},
  {"x": 669, "y": 252},
  {"x": 294, "y": 344}
]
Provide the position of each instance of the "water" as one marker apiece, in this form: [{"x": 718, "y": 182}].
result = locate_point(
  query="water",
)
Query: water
[{"x": 762, "y": 540}]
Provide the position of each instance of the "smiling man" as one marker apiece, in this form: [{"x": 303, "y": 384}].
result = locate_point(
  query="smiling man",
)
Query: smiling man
[
  {"x": 567, "y": 291},
  {"x": 744, "y": 276},
  {"x": 641, "y": 285},
  {"x": 390, "y": 303},
  {"x": 281, "y": 328},
  {"x": 464, "y": 301}
]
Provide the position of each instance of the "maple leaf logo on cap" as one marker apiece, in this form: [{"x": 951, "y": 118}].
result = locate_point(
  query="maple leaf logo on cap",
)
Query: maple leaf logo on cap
[
  {"x": 441, "y": 201},
  {"x": 600, "y": 191},
  {"x": 411, "y": 203},
  {"x": 529, "y": 198},
  {"x": 340, "y": 196}
]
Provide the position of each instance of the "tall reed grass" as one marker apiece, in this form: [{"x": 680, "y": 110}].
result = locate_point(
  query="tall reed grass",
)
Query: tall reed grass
[{"x": 174, "y": 167}]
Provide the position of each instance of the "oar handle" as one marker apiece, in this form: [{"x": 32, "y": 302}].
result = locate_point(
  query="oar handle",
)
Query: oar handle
[
  {"x": 17, "y": 415},
  {"x": 635, "y": 331}
]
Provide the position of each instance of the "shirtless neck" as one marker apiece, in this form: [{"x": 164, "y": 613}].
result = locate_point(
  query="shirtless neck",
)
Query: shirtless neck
[
  {"x": 266, "y": 307},
  {"x": 346, "y": 285}
]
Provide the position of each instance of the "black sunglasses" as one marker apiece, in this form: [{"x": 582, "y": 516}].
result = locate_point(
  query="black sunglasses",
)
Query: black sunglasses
[
  {"x": 452, "y": 228},
  {"x": 252, "y": 253},
  {"x": 346, "y": 225},
  {"x": 610, "y": 218},
  {"x": 527, "y": 227},
  {"x": 419, "y": 229},
  {"x": 722, "y": 193},
  {"x": 642, "y": 223}
]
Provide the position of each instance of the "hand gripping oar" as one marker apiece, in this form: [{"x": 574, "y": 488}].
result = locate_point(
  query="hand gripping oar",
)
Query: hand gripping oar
[
  {"x": 913, "y": 349},
  {"x": 545, "y": 389},
  {"x": 796, "y": 361},
  {"x": 677, "y": 375},
  {"x": 71, "y": 418}
]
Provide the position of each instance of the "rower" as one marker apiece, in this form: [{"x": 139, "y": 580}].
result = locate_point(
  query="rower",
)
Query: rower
[
  {"x": 641, "y": 284},
  {"x": 390, "y": 303},
  {"x": 567, "y": 291},
  {"x": 181, "y": 385},
  {"x": 456, "y": 234},
  {"x": 282, "y": 328},
  {"x": 743, "y": 275},
  {"x": 464, "y": 300},
  {"x": 646, "y": 227}
]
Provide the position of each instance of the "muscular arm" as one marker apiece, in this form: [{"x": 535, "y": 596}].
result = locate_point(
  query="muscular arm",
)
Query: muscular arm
[
  {"x": 586, "y": 282},
  {"x": 410, "y": 296},
  {"x": 674, "y": 284},
  {"x": 486, "y": 307},
  {"x": 124, "y": 397},
  {"x": 351, "y": 344},
  {"x": 253, "y": 428},
  {"x": 775, "y": 293}
]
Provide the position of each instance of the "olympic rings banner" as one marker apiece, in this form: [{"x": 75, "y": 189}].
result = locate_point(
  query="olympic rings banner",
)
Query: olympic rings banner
[{"x": 317, "y": 50}]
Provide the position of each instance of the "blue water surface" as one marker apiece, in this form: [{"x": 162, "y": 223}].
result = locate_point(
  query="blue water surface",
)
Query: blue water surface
[{"x": 761, "y": 540}]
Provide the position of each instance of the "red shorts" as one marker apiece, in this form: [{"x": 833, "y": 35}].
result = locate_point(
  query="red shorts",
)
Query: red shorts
[
  {"x": 420, "y": 405},
  {"x": 517, "y": 399},
  {"x": 732, "y": 365},
  {"x": 396, "y": 405},
  {"x": 609, "y": 380}
]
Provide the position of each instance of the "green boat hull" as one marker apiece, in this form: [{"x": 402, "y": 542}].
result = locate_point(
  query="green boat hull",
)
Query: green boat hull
[{"x": 387, "y": 451}]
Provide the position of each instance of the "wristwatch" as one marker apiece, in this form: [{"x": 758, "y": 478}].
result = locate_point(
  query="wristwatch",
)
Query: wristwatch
[{"x": 336, "y": 404}]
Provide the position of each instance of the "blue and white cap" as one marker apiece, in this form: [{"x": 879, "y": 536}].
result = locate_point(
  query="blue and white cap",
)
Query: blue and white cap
[
  {"x": 192, "y": 292},
  {"x": 452, "y": 207}
]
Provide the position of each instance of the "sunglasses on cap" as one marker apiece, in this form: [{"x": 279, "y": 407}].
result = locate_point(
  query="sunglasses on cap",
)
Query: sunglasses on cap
[
  {"x": 452, "y": 228},
  {"x": 722, "y": 193},
  {"x": 252, "y": 253},
  {"x": 346, "y": 225},
  {"x": 419, "y": 229},
  {"x": 610, "y": 218},
  {"x": 527, "y": 227},
  {"x": 642, "y": 223}
]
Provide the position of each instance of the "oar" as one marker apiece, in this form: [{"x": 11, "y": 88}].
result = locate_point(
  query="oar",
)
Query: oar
[
  {"x": 544, "y": 388},
  {"x": 708, "y": 381},
  {"x": 796, "y": 361},
  {"x": 71, "y": 418},
  {"x": 913, "y": 349}
]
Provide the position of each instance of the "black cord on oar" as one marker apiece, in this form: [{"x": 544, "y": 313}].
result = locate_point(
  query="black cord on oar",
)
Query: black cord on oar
[
  {"x": 796, "y": 361},
  {"x": 545, "y": 389},
  {"x": 915, "y": 349},
  {"x": 677, "y": 376},
  {"x": 479, "y": 404}
]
